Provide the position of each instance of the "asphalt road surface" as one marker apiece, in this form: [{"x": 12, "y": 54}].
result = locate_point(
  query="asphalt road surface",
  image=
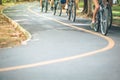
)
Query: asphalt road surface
[{"x": 59, "y": 49}]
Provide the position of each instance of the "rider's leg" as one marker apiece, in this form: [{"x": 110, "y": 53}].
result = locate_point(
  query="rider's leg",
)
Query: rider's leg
[
  {"x": 66, "y": 5},
  {"x": 40, "y": 3},
  {"x": 96, "y": 3},
  {"x": 52, "y": 4},
  {"x": 66, "y": 1}
]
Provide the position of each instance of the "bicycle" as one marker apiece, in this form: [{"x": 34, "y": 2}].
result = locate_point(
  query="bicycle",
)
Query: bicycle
[
  {"x": 58, "y": 6},
  {"x": 103, "y": 18},
  {"x": 44, "y": 6},
  {"x": 71, "y": 11}
]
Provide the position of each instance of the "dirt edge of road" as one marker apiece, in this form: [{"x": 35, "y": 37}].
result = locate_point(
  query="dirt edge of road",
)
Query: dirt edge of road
[{"x": 11, "y": 33}]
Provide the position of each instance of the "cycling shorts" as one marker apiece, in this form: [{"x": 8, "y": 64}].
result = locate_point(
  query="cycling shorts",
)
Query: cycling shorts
[{"x": 63, "y": 1}]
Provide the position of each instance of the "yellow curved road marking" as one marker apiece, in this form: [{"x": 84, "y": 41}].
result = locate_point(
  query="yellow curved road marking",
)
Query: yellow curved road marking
[{"x": 110, "y": 45}]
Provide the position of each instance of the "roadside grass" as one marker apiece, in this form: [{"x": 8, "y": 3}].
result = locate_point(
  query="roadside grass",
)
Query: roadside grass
[
  {"x": 10, "y": 36},
  {"x": 116, "y": 14},
  {"x": 116, "y": 10}
]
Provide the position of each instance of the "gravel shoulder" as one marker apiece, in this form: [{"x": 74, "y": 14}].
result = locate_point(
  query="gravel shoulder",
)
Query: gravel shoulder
[{"x": 11, "y": 34}]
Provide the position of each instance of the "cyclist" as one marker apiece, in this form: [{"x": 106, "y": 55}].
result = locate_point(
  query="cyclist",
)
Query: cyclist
[
  {"x": 51, "y": 3},
  {"x": 96, "y": 3},
  {"x": 66, "y": 5},
  {"x": 76, "y": 1}
]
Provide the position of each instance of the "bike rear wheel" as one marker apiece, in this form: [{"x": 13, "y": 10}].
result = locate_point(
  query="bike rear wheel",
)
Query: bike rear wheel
[
  {"x": 44, "y": 6},
  {"x": 72, "y": 11},
  {"x": 69, "y": 11},
  {"x": 104, "y": 21},
  {"x": 58, "y": 8}
]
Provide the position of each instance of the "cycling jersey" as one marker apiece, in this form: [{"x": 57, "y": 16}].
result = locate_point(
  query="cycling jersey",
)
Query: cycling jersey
[{"x": 63, "y": 1}]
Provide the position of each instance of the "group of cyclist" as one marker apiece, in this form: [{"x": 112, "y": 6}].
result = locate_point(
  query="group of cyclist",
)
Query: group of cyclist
[
  {"x": 64, "y": 1},
  {"x": 96, "y": 3}
]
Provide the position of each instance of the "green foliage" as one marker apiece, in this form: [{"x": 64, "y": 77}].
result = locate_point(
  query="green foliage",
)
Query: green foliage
[
  {"x": 8, "y": 1},
  {"x": 116, "y": 10},
  {"x": 4, "y": 1},
  {"x": 81, "y": 3}
]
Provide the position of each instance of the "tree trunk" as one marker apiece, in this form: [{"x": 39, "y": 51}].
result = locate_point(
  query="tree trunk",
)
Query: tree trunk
[
  {"x": 14, "y": 1},
  {"x": 0, "y": 2},
  {"x": 89, "y": 13},
  {"x": 85, "y": 7}
]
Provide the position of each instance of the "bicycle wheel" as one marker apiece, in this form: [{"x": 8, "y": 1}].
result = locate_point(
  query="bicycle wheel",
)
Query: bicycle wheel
[
  {"x": 73, "y": 11},
  {"x": 46, "y": 6},
  {"x": 97, "y": 23},
  {"x": 69, "y": 11},
  {"x": 104, "y": 21},
  {"x": 55, "y": 7},
  {"x": 42, "y": 5},
  {"x": 59, "y": 8}
]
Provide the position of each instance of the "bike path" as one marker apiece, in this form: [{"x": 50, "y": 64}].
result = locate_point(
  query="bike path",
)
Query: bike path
[{"x": 44, "y": 56}]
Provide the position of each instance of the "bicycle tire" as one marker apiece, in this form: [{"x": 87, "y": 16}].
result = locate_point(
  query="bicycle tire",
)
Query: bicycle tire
[
  {"x": 104, "y": 21},
  {"x": 58, "y": 8},
  {"x": 42, "y": 6},
  {"x": 55, "y": 6},
  {"x": 46, "y": 6},
  {"x": 73, "y": 12},
  {"x": 69, "y": 11}
]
